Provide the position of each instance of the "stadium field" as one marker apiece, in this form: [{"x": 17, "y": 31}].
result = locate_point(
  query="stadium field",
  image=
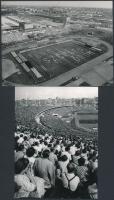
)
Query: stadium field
[{"x": 55, "y": 59}]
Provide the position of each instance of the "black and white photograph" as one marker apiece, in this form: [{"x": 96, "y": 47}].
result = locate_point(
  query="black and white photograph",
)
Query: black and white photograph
[
  {"x": 57, "y": 43},
  {"x": 56, "y": 142}
]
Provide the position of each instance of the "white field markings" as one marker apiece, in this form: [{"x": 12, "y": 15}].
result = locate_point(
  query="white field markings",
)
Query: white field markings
[
  {"x": 45, "y": 46},
  {"x": 78, "y": 57},
  {"x": 63, "y": 53}
]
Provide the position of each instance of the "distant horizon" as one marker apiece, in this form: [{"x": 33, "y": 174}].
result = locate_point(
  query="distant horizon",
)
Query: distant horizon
[
  {"x": 34, "y": 93},
  {"x": 56, "y": 98},
  {"x": 85, "y": 4}
]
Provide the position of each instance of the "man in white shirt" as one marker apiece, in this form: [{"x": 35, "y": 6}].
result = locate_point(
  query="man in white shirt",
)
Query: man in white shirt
[
  {"x": 66, "y": 152},
  {"x": 20, "y": 140},
  {"x": 72, "y": 150},
  {"x": 70, "y": 180},
  {"x": 38, "y": 147}
]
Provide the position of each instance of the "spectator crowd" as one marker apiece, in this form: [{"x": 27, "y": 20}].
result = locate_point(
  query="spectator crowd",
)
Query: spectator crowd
[{"x": 55, "y": 166}]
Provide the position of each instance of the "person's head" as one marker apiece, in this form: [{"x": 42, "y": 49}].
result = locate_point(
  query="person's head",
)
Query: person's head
[
  {"x": 50, "y": 145},
  {"x": 20, "y": 147},
  {"x": 30, "y": 152},
  {"x": 77, "y": 153},
  {"x": 56, "y": 152},
  {"x": 77, "y": 145},
  {"x": 21, "y": 165},
  {"x": 36, "y": 143},
  {"x": 46, "y": 153},
  {"x": 84, "y": 151},
  {"x": 31, "y": 136},
  {"x": 67, "y": 148},
  {"x": 71, "y": 167},
  {"x": 64, "y": 158},
  {"x": 85, "y": 145},
  {"x": 21, "y": 135},
  {"x": 57, "y": 142},
  {"x": 81, "y": 161},
  {"x": 41, "y": 141},
  {"x": 38, "y": 137},
  {"x": 25, "y": 138},
  {"x": 45, "y": 143},
  {"x": 94, "y": 158},
  {"x": 51, "y": 149}
]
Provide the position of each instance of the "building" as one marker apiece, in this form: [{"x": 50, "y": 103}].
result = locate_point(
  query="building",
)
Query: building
[{"x": 22, "y": 26}]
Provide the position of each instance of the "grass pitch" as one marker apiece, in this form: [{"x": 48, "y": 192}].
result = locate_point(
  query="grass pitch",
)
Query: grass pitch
[{"x": 53, "y": 60}]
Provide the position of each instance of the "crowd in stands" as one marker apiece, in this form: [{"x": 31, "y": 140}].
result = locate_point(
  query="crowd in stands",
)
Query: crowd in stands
[{"x": 55, "y": 166}]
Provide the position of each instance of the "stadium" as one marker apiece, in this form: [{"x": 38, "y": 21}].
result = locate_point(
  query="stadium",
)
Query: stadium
[
  {"x": 44, "y": 63},
  {"x": 60, "y": 120},
  {"x": 59, "y": 58},
  {"x": 68, "y": 126},
  {"x": 41, "y": 64},
  {"x": 56, "y": 50},
  {"x": 74, "y": 122},
  {"x": 64, "y": 123}
]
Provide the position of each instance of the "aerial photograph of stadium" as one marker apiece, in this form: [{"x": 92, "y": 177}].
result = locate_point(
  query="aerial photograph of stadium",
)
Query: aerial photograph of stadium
[
  {"x": 56, "y": 154},
  {"x": 58, "y": 43}
]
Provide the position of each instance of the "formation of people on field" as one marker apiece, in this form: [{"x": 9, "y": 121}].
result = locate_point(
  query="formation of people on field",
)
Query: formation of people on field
[{"x": 55, "y": 166}]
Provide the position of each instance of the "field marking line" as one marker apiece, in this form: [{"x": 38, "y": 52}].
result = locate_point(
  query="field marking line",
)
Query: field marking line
[{"x": 44, "y": 46}]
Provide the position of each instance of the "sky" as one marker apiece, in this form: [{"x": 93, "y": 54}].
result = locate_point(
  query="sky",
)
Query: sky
[
  {"x": 53, "y": 92},
  {"x": 96, "y": 4}
]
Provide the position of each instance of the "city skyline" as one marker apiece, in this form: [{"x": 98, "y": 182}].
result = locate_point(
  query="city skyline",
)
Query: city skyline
[
  {"x": 93, "y": 4},
  {"x": 50, "y": 92}
]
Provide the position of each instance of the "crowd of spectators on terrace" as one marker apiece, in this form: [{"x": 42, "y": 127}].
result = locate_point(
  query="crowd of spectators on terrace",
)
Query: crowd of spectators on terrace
[{"x": 55, "y": 166}]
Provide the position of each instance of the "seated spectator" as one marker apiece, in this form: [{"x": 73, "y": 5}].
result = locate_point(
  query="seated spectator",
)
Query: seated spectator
[
  {"x": 25, "y": 184},
  {"x": 63, "y": 162},
  {"x": 55, "y": 166},
  {"x": 76, "y": 157},
  {"x": 84, "y": 155},
  {"x": 93, "y": 187},
  {"x": 45, "y": 169},
  {"x": 93, "y": 163},
  {"x": 66, "y": 152},
  {"x": 26, "y": 143},
  {"x": 52, "y": 156},
  {"x": 31, "y": 140},
  {"x": 58, "y": 147},
  {"x": 30, "y": 152},
  {"x": 72, "y": 149},
  {"x": 70, "y": 180},
  {"x": 82, "y": 170},
  {"x": 19, "y": 153},
  {"x": 20, "y": 140}
]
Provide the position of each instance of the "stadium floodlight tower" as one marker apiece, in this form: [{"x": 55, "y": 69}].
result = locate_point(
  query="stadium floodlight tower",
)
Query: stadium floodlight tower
[
  {"x": 66, "y": 21},
  {"x": 75, "y": 120},
  {"x": 22, "y": 26}
]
